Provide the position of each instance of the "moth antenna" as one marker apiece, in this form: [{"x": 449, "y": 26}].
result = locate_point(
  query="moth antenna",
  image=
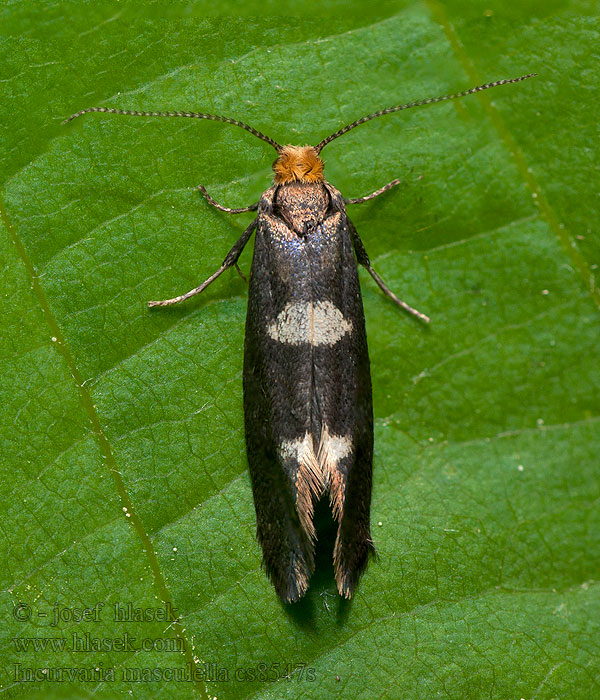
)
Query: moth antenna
[
  {"x": 191, "y": 115},
  {"x": 418, "y": 103}
]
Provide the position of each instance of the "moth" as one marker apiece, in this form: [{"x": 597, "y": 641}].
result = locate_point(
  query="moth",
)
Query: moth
[{"x": 307, "y": 386}]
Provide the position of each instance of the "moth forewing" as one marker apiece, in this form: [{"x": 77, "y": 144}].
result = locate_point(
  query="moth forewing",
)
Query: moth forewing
[{"x": 307, "y": 387}]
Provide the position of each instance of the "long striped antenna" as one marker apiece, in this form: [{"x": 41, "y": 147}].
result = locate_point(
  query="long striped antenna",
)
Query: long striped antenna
[
  {"x": 418, "y": 103},
  {"x": 191, "y": 115}
]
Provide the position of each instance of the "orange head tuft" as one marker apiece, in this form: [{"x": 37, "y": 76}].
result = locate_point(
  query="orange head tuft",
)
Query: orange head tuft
[{"x": 298, "y": 164}]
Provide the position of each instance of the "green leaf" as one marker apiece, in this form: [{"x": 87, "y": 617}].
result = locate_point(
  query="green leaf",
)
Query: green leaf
[{"x": 124, "y": 472}]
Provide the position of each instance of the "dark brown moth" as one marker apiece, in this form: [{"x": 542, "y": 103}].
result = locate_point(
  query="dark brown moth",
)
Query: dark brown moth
[{"x": 307, "y": 385}]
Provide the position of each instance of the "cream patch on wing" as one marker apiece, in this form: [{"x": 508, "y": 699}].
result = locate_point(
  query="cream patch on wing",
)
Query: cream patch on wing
[
  {"x": 319, "y": 323},
  {"x": 332, "y": 450},
  {"x": 316, "y": 472},
  {"x": 310, "y": 480}
]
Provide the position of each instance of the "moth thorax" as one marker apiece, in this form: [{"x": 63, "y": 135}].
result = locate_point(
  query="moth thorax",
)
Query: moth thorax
[{"x": 298, "y": 164}]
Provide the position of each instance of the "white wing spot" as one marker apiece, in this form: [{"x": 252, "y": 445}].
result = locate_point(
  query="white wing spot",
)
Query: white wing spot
[
  {"x": 321, "y": 323},
  {"x": 309, "y": 481},
  {"x": 333, "y": 448},
  {"x": 300, "y": 450},
  {"x": 317, "y": 472}
]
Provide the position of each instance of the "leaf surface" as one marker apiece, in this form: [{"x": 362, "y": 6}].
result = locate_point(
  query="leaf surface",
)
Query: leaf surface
[{"x": 124, "y": 473}]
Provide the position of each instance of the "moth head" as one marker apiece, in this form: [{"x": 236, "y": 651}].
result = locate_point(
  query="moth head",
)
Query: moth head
[{"x": 298, "y": 164}]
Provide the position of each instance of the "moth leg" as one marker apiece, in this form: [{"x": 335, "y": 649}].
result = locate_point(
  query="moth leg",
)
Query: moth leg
[
  {"x": 367, "y": 197},
  {"x": 229, "y": 261},
  {"x": 386, "y": 290},
  {"x": 240, "y": 273},
  {"x": 363, "y": 259},
  {"x": 220, "y": 207}
]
